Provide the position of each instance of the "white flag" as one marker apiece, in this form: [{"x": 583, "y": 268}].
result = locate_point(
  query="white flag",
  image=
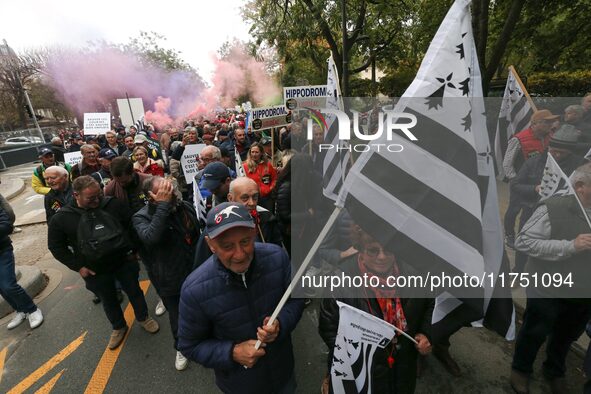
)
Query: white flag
[
  {"x": 199, "y": 203},
  {"x": 359, "y": 335},
  {"x": 426, "y": 199},
  {"x": 514, "y": 116},
  {"x": 554, "y": 181},
  {"x": 335, "y": 161},
  {"x": 238, "y": 164}
]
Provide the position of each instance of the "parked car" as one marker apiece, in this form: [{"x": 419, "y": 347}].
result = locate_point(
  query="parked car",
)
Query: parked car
[{"x": 19, "y": 142}]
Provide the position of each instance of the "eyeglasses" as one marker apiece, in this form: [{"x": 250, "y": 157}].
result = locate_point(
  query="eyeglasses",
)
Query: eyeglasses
[{"x": 374, "y": 251}]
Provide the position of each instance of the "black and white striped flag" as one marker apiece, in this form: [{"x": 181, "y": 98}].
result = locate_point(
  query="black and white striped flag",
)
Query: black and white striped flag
[
  {"x": 139, "y": 125},
  {"x": 429, "y": 200},
  {"x": 514, "y": 116},
  {"x": 352, "y": 355},
  {"x": 238, "y": 164},
  {"x": 335, "y": 160},
  {"x": 450, "y": 314},
  {"x": 199, "y": 203},
  {"x": 554, "y": 181}
]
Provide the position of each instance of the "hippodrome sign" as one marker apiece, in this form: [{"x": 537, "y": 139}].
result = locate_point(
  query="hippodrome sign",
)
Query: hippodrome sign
[
  {"x": 305, "y": 96},
  {"x": 268, "y": 117}
]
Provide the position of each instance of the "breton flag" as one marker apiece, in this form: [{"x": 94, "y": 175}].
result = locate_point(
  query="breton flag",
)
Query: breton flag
[
  {"x": 238, "y": 163},
  {"x": 554, "y": 181},
  {"x": 430, "y": 200},
  {"x": 139, "y": 124},
  {"x": 499, "y": 315},
  {"x": 514, "y": 116},
  {"x": 426, "y": 199},
  {"x": 199, "y": 203},
  {"x": 359, "y": 335},
  {"x": 334, "y": 161}
]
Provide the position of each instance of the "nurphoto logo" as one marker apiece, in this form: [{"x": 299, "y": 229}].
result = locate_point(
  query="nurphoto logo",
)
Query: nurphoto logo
[{"x": 388, "y": 122}]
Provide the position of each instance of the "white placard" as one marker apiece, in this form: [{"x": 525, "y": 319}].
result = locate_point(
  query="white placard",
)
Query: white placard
[
  {"x": 300, "y": 97},
  {"x": 96, "y": 123},
  {"x": 190, "y": 160},
  {"x": 73, "y": 158},
  {"x": 130, "y": 115},
  {"x": 268, "y": 117}
]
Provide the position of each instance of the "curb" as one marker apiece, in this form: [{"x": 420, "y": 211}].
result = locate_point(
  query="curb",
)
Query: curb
[
  {"x": 11, "y": 188},
  {"x": 31, "y": 280}
]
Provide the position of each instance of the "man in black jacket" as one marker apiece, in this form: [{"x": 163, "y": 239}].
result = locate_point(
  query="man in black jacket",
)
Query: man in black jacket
[
  {"x": 119, "y": 264},
  {"x": 168, "y": 230},
  {"x": 58, "y": 179}
]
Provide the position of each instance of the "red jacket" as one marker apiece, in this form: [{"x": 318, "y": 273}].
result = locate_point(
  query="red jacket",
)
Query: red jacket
[
  {"x": 264, "y": 175},
  {"x": 530, "y": 144}
]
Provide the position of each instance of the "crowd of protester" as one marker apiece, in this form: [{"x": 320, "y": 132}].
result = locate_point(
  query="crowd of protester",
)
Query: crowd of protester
[{"x": 220, "y": 276}]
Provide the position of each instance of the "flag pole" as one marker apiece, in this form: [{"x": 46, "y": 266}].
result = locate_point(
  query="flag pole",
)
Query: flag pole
[
  {"x": 302, "y": 268},
  {"x": 522, "y": 86},
  {"x": 130, "y": 111}
]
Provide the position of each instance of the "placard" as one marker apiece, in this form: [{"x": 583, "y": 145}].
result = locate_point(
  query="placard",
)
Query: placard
[
  {"x": 96, "y": 123},
  {"x": 190, "y": 161}
]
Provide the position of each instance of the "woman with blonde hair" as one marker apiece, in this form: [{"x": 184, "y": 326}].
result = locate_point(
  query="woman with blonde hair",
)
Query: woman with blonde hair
[
  {"x": 259, "y": 168},
  {"x": 145, "y": 165}
]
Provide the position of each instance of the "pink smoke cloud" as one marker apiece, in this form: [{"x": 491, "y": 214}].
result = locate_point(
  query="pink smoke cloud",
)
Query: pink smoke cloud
[{"x": 90, "y": 81}]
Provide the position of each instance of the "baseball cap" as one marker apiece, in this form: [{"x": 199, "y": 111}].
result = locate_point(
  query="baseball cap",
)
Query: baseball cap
[
  {"x": 214, "y": 174},
  {"x": 107, "y": 153},
  {"x": 225, "y": 216},
  {"x": 45, "y": 151},
  {"x": 543, "y": 114},
  {"x": 120, "y": 128},
  {"x": 140, "y": 139}
]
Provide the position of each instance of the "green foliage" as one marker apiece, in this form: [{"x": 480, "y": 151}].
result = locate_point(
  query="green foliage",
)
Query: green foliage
[
  {"x": 560, "y": 84},
  {"x": 148, "y": 47}
]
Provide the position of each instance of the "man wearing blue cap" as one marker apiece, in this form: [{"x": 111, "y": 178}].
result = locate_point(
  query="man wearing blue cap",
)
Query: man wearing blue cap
[
  {"x": 216, "y": 178},
  {"x": 226, "y": 303},
  {"x": 103, "y": 176}
]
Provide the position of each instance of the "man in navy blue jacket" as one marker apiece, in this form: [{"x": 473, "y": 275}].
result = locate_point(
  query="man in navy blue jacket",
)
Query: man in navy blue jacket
[{"x": 226, "y": 303}]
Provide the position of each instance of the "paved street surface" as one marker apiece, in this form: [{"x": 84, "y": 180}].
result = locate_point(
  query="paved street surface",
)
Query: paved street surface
[{"x": 68, "y": 354}]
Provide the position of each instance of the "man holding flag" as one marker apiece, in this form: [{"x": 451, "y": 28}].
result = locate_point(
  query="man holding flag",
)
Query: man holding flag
[
  {"x": 226, "y": 304},
  {"x": 557, "y": 239},
  {"x": 525, "y": 187},
  {"x": 524, "y": 145}
]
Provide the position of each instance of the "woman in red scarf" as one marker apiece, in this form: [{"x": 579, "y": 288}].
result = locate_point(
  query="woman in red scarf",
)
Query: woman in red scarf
[
  {"x": 394, "y": 368},
  {"x": 259, "y": 168},
  {"x": 145, "y": 165}
]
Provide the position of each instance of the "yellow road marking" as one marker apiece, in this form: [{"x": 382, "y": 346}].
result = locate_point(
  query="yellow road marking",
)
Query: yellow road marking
[
  {"x": 45, "y": 368},
  {"x": 2, "y": 358},
  {"x": 47, "y": 387},
  {"x": 102, "y": 373}
]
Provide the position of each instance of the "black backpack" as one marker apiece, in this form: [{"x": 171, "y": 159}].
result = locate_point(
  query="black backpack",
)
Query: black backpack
[{"x": 100, "y": 234}]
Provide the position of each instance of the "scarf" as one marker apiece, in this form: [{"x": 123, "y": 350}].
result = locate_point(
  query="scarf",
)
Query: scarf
[{"x": 390, "y": 305}]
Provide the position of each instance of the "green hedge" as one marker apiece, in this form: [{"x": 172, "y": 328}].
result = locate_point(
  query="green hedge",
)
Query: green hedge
[{"x": 559, "y": 84}]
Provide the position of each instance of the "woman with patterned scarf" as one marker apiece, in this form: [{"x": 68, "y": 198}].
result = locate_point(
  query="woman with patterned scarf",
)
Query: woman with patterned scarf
[{"x": 394, "y": 368}]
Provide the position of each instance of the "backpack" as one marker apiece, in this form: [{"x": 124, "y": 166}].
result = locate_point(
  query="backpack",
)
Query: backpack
[{"x": 100, "y": 234}]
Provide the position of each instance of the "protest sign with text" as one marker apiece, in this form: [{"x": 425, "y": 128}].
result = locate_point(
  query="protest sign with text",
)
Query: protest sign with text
[
  {"x": 96, "y": 123},
  {"x": 190, "y": 160},
  {"x": 296, "y": 97},
  {"x": 268, "y": 117},
  {"x": 73, "y": 158}
]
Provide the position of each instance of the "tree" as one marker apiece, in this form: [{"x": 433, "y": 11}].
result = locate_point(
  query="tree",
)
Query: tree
[
  {"x": 356, "y": 32},
  {"x": 16, "y": 72},
  {"x": 148, "y": 47}
]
